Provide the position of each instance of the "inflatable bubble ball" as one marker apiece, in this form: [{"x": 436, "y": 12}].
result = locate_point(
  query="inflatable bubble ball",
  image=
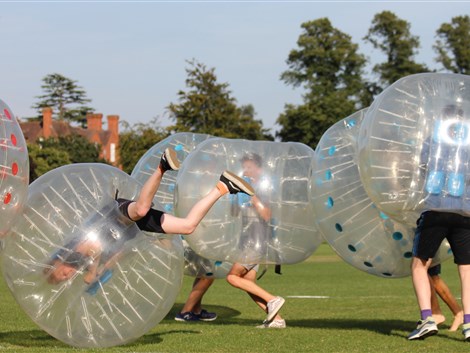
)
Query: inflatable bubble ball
[
  {"x": 200, "y": 267},
  {"x": 183, "y": 143},
  {"x": 359, "y": 232},
  {"x": 274, "y": 226},
  {"x": 81, "y": 270},
  {"x": 414, "y": 146},
  {"x": 14, "y": 169}
]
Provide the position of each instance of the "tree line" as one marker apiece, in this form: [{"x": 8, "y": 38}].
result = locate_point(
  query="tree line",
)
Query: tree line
[{"x": 326, "y": 63}]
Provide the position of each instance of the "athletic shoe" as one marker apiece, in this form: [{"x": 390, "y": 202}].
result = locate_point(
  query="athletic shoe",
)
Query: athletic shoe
[
  {"x": 206, "y": 316},
  {"x": 186, "y": 317},
  {"x": 466, "y": 331},
  {"x": 169, "y": 160},
  {"x": 425, "y": 329},
  {"x": 274, "y": 306},
  {"x": 235, "y": 184},
  {"x": 273, "y": 324}
]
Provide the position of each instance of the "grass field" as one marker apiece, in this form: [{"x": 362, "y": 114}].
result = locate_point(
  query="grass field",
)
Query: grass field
[{"x": 361, "y": 313}]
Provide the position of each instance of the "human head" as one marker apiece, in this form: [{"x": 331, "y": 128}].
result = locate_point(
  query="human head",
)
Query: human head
[
  {"x": 252, "y": 164},
  {"x": 59, "y": 271}
]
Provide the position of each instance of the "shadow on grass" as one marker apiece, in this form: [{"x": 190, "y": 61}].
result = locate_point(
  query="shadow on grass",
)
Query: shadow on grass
[{"x": 222, "y": 311}]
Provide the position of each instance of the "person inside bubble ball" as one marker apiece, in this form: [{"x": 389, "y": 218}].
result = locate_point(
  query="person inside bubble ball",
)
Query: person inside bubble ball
[
  {"x": 86, "y": 253},
  {"x": 255, "y": 217},
  {"x": 444, "y": 157}
]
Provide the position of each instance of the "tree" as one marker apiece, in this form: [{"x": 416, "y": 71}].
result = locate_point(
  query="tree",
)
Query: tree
[
  {"x": 453, "y": 45},
  {"x": 78, "y": 148},
  {"x": 328, "y": 66},
  {"x": 65, "y": 98},
  {"x": 392, "y": 36},
  {"x": 208, "y": 108},
  {"x": 45, "y": 159},
  {"x": 135, "y": 140}
]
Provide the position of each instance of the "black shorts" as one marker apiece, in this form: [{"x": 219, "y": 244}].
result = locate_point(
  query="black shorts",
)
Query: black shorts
[
  {"x": 151, "y": 222},
  {"x": 434, "y": 227}
]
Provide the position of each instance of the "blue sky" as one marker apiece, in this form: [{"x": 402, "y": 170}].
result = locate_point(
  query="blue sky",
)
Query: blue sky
[{"x": 130, "y": 56}]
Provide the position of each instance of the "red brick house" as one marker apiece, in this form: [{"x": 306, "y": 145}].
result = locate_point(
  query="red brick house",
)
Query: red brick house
[{"x": 48, "y": 127}]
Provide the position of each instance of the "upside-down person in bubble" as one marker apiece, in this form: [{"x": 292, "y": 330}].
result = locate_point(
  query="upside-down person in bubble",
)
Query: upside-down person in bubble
[
  {"x": 255, "y": 217},
  {"x": 445, "y": 158},
  {"x": 89, "y": 252}
]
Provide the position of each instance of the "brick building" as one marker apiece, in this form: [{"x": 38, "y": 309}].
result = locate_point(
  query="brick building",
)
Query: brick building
[{"x": 48, "y": 127}]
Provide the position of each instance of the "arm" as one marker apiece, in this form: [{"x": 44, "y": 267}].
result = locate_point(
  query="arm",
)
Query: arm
[{"x": 263, "y": 210}]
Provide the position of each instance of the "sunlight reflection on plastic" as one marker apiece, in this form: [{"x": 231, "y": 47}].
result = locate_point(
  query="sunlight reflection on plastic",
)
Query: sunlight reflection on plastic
[
  {"x": 233, "y": 230},
  {"x": 72, "y": 209}
]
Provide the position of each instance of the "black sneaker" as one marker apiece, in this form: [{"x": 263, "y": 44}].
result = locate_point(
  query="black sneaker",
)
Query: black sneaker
[
  {"x": 236, "y": 184},
  {"x": 206, "y": 316},
  {"x": 169, "y": 160},
  {"x": 186, "y": 317}
]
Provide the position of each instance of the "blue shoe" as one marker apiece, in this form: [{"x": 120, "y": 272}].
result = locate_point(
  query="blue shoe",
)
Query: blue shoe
[
  {"x": 206, "y": 316},
  {"x": 186, "y": 317}
]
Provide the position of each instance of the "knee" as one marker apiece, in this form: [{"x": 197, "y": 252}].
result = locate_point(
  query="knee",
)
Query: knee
[{"x": 232, "y": 280}]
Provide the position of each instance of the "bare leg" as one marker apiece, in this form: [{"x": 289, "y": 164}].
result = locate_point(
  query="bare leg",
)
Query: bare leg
[
  {"x": 141, "y": 206},
  {"x": 446, "y": 295},
  {"x": 435, "y": 307},
  {"x": 464, "y": 272},
  {"x": 251, "y": 276},
  {"x": 240, "y": 278},
  {"x": 421, "y": 284},
  {"x": 187, "y": 225},
  {"x": 200, "y": 287}
]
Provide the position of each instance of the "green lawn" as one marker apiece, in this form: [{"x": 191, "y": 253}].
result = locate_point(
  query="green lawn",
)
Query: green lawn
[{"x": 362, "y": 313}]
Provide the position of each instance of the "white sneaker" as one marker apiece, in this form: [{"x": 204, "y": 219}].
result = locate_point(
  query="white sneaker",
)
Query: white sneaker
[
  {"x": 273, "y": 324},
  {"x": 466, "y": 332},
  {"x": 274, "y": 306}
]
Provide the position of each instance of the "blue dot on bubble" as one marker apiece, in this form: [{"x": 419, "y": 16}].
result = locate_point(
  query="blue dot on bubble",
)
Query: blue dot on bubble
[
  {"x": 171, "y": 188},
  {"x": 168, "y": 207},
  {"x": 383, "y": 215},
  {"x": 449, "y": 251},
  {"x": 408, "y": 255},
  {"x": 208, "y": 274},
  {"x": 328, "y": 175},
  {"x": 397, "y": 236},
  {"x": 387, "y": 274},
  {"x": 218, "y": 263},
  {"x": 368, "y": 264},
  {"x": 351, "y": 123},
  {"x": 351, "y": 248},
  {"x": 338, "y": 227},
  {"x": 179, "y": 147},
  {"x": 329, "y": 202},
  {"x": 331, "y": 150}
]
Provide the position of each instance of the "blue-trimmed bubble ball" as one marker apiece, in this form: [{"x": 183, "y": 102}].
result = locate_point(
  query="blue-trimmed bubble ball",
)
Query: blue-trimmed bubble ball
[
  {"x": 71, "y": 227},
  {"x": 274, "y": 226},
  {"x": 414, "y": 146},
  {"x": 359, "y": 232},
  {"x": 182, "y": 143}
]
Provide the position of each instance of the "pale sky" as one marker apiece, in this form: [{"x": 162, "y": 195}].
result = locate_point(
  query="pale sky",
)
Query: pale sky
[{"x": 130, "y": 56}]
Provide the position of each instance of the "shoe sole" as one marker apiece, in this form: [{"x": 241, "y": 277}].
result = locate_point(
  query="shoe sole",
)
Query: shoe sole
[
  {"x": 425, "y": 335},
  {"x": 240, "y": 183},
  {"x": 172, "y": 159},
  {"x": 208, "y": 319},
  {"x": 272, "y": 314}
]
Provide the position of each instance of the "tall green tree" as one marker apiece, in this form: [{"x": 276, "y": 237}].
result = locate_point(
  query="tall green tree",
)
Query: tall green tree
[
  {"x": 329, "y": 67},
  {"x": 135, "y": 140},
  {"x": 453, "y": 45},
  {"x": 65, "y": 97},
  {"x": 207, "y": 107},
  {"x": 392, "y": 36},
  {"x": 43, "y": 160},
  {"x": 79, "y": 149}
]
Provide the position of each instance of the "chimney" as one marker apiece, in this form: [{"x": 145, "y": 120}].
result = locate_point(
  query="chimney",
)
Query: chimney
[
  {"x": 113, "y": 128},
  {"x": 113, "y": 124},
  {"x": 94, "y": 121},
  {"x": 46, "y": 122}
]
